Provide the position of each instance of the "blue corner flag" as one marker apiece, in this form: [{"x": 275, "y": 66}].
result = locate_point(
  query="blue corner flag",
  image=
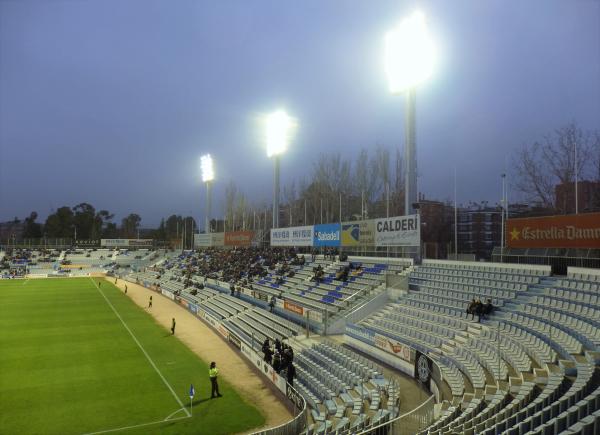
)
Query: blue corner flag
[{"x": 192, "y": 391}]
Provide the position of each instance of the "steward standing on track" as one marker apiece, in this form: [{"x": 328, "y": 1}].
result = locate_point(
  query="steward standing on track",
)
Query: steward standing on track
[
  {"x": 213, "y": 372},
  {"x": 173, "y": 327},
  {"x": 150, "y": 302}
]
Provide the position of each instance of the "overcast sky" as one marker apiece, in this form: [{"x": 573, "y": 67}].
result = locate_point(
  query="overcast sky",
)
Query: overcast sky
[{"x": 112, "y": 102}]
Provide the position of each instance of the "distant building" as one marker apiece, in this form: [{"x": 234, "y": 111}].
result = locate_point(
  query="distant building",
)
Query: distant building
[
  {"x": 588, "y": 194},
  {"x": 479, "y": 230},
  {"x": 11, "y": 231}
]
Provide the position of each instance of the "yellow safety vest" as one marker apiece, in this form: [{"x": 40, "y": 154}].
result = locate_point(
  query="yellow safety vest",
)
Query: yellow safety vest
[{"x": 213, "y": 373}]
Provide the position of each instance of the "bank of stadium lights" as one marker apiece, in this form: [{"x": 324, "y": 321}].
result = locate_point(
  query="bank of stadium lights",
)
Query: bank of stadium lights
[
  {"x": 279, "y": 129},
  {"x": 206, "y": 165},
  {"x": 410, "y": 57},
  {"x": 208, "y": 175}
]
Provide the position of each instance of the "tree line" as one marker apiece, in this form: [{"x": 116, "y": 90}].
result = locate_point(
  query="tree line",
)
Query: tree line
[{"x": 84, "y": 222}]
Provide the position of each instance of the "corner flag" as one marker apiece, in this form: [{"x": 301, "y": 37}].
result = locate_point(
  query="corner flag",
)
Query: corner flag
[{"x": 192, "y": 391}]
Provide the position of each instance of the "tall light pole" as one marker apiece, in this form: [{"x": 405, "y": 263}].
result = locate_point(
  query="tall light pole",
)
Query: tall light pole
[
  {"x": 409, "y": 60},
  {"x": 503, "y": 204},
  {"x": 278, "y": 133},
  {"x": 208, "y": 175}
]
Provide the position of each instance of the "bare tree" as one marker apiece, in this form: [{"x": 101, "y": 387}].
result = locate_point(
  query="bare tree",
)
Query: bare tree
[
  {"x": 230, "y": 196},
  {"x": 542, "y": 165}
]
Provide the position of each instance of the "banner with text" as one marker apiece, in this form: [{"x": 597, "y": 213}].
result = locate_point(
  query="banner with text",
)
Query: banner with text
[
  {"x": 326, "y": 235},
  {"x": 218, "y": 239},
  {"x": 398, "y": 231},
  {"x": 202, "y": 240},
  {"x": 570, "y": 231},
  {"x": 126, "y": 243},
  {"x": 239, "y": 238},
  {"x": 394, "y": 347},
  {"x": 358, "y": 233},
  {"x": 293, "y": 236}
]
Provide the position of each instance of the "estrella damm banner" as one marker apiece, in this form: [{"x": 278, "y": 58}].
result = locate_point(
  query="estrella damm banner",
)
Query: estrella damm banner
[{"x": 568, "y": 231}]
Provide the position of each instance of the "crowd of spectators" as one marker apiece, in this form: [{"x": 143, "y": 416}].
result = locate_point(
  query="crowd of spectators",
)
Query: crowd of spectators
[
  {"x": 280, "y": 356},
  {"x": 476, "y": 307},
  {"x": 238, "y": 267}
]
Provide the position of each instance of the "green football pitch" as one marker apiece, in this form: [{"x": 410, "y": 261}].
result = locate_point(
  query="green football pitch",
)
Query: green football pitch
[{"x": 76, "y": 358}]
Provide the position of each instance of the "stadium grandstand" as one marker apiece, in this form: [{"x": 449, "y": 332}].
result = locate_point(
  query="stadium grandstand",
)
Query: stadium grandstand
[{"x": 494, "y": 347}]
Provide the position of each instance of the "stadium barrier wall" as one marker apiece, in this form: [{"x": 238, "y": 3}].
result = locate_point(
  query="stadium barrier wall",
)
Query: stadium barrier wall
[
  {"x": 294, "y": 399},
  {"x": 407, "y": 424}
]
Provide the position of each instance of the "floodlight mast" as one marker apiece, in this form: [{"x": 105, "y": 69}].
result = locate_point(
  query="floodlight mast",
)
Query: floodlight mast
[
  {"x": 409, "y": 60},
  {"x": 208, "y": 175},
  {"x": 278, "y": 131}
]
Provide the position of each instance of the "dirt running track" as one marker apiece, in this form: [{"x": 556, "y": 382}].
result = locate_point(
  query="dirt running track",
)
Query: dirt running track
[{"x": 209, "y": 346}]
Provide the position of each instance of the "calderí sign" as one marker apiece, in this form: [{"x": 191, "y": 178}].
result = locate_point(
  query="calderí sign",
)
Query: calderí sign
[
  {"x": 398, "y": 231},
  {"x": 569, "y": 231}
]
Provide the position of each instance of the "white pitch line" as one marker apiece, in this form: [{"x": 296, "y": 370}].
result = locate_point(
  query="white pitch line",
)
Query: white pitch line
[
  {"x": 26, "y": 281},
  {"x": 142, "y": 349},
  {"x": 134, "y": 426},
  {"x": 174, "y": 413}
]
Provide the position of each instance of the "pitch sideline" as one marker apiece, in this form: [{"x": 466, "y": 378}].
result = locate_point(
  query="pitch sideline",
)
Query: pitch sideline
[{"x": 145, "y": 354}]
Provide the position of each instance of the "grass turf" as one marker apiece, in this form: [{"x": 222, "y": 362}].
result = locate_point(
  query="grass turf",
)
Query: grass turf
[{"x": 69, "y": 366}]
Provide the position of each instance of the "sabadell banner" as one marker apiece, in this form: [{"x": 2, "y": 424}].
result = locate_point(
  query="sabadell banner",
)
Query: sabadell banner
[
  {"x": 398, "y": 231},
  {"x": 293, "y": 236}
]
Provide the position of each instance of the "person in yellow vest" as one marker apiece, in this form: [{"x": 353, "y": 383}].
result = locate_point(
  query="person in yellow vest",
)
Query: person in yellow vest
[{"x": 213, "y": 372}]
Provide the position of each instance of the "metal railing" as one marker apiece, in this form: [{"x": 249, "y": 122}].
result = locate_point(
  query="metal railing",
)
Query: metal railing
[
  {"x": 295, "y": 426},
  {"x": 407, "y": 424}
]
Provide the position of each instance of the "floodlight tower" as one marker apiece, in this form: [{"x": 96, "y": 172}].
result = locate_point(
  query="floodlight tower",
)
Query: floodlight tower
[
  {"x": 279, "y": 128},
  {"x": 409, "y": 60},
  {"x": 208, "y": 175}
]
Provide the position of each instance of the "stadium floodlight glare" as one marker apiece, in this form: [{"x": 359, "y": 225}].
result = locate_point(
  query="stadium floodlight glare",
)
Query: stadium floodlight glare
[
  {"x": 208, "y": 175},
  {"x": 409, "y": 60},
  {"x": 206, "y": 164},
  {"x": 279, "y": 129},
  {"x": 409, "y": 53}
]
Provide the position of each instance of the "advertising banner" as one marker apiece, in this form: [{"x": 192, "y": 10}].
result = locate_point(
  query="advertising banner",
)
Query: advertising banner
[
  {"x": 87, "y": 243},
  {"x": 218, "y": 239},
  {"x": 394, "y": 347},
  {"x": 293, "y": 236},
  {"x": 423, "y": 369},
  {"x": 202, "y": 240},
  {"x": 141, "y": 243},
  {"x": 398, "y": 231},
  {"x": 114, "y": 242},
  {"x": 326, "y": 235},
  {"x": 358, "y": 233},
  {"x": 168, "y": 294},
  {"x": 294, "y": 396},
  {"x": 126, "y": 243},
  {"x": 235, "y": 340},
  {"x": 290, "y": 306},
  {"x": 238, "y": 238},
  {"x": 568, "y": 231}
]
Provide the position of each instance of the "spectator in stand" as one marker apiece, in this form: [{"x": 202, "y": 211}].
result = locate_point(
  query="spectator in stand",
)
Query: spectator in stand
[
  {"x": 471, "y": 308},
  {"x": 277, "y": 345},
  {"x": 291, "y": 374},
  {"x": 488, "y": 307},
  {"x": 272, "y": 303},
  {"x": 277, "y": 362},
  {"x": 266, "y": 350}
]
